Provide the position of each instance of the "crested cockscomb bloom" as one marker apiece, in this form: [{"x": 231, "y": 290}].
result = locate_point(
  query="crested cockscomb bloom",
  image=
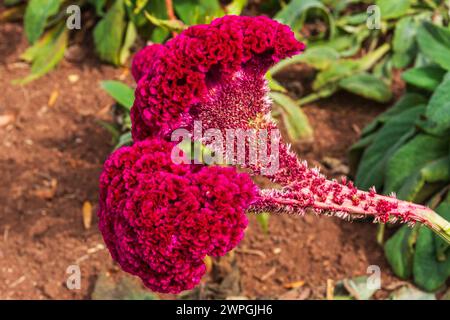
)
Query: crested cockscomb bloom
[
  {"x": 160, "y": 219},
  {"x": 142, "y": 61},
  {"x": 215, "y": 73},
  {"x": 195, "y": 65}
]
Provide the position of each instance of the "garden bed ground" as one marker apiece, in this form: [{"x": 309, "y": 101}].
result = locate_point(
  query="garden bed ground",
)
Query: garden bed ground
[{"x": 51, "y": 152}]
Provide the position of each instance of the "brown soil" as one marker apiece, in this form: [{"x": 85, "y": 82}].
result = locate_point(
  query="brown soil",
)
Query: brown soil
[{"x": 51, "y": 154}]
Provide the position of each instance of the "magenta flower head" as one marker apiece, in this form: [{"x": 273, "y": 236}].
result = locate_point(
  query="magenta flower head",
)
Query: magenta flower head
[
  {"x": 202, "y": 66},
  {"x": 160, "y": 219},
  {"x": 142, "y": 61}
]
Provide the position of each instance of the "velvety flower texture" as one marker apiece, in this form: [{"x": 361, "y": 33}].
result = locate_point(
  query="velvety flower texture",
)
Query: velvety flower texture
[
  {"x": 159, "y": 219},
  {"x": 187, "y": 69}
]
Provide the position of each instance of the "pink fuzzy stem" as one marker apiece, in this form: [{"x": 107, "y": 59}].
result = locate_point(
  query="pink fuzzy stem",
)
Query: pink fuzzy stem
[{"x": 382, "y": 208}]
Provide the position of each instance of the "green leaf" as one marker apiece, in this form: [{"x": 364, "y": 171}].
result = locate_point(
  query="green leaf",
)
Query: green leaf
[
  {"x": 294, "y": 120},
  {"x": 198, "y": 11},
  {"x": 318, "y": 57},
  {"x": 236, "y": 7},
  {"x": 108, "y": 33},
  {"x": 46, "y": 53},
  {"x": 263, "y": 220},
  {"x": 295, "y": 13},
  {"x": 340, "y": 69},
  {"x": 408, "y": 292},
  {"x": 36, "y": 15},
  {"x": 427, "y": 77},
  {"x": 412, "y": 156},
  {"x": 368, "y": 86},
  {"x": 404, "y": 42},
  {"x": 99, "y": 6},
  {"x": 429, "y": 273},
  {"x": 393, "y": 9},
  {"x": 435, "y": 171},
  {"x": 125, "y": 139},
  {"x": 434, "y": 42},
  {"x": 345, "y": 68},
  {"x": 169, "y": 25},
  {"x": 356, "y": 151},
  {"x": 120, "y": 92},
  {"x": 130, "y": 38},
  {"x": 396, "y": 131},
  {"x": 399, "y": 251},
  {"x": 438, "y": 110},
  {"x": 408, "y": 100}
]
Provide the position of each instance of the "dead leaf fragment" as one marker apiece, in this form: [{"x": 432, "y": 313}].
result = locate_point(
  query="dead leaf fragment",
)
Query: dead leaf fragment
[
  {"x": 6, "y": 119},
  {"x": 47, "y": 192},
  {"x": 330, "y": 289},
  {"x": 73, "y": 78},
  {"x": 53, "y": 96},
  {"x": 87, "y": 214},
  {"x": 295, "y": 284},
  {"x": 296, "y": 294}
]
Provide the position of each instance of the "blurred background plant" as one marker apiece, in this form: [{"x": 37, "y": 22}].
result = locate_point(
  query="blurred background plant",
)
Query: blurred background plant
[{"x": 406, "y": 150}]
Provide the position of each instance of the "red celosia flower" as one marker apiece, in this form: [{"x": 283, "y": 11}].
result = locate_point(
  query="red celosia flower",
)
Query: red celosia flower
[
  {"x": 196, "y": 64},
  {"x": 142, "y": 61},
  {"x": 160, "y": 219}
]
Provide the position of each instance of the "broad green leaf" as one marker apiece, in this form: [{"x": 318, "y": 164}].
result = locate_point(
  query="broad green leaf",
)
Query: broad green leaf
[
  {"x": 412, "y": 156},
  {"x": 368, "y": 86},
  {"x": 435, "y": 171},
  {"x": 197, "y": 11},
  {"x": 409, "y": 292},
  {"x": 396, "y": 131},
  {"x": 427, "y": 77},
  {"x": 407, "y": 101},
  {"x": 399, "y": 251},
  {"x": 294, "y": 120},
  {"x": 438, "y": 110},
  {"x": 108, "y": 33},
  {"x": 46, "y": 53},
  {"x": 429, "y": 273},
  {"x": 356, "y": 151},
  {"x": 99, "y": 6},
  {"x": 434, "y": 42},
  {"x": 130, "y": 38},
  {"x": 295, "y": 13},
  {"x": 393, "y": 9},
  {"x": 318, "y": 57},
  {"x": 36, "y": 15},
  {"x": 404, "y": 42},
  {"x": 120, "y": 92},
  {"x": 358, "y": 287}
]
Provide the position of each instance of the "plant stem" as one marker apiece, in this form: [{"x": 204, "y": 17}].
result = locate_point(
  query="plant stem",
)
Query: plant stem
[{"x": 382, "y": 208}]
